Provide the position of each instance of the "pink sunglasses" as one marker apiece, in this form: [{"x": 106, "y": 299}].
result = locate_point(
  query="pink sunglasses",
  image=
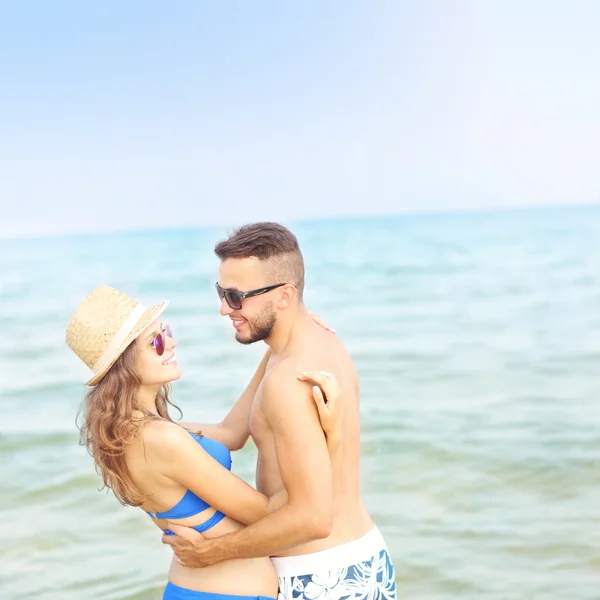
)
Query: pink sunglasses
[{"x": 160, "y": 341}]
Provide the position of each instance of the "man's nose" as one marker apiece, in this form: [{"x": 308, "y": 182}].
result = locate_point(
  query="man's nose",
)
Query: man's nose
[{"x": 225, "y": 308}]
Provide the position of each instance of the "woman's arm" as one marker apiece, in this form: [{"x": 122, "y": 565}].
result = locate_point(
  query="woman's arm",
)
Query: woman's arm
[
  {"x": 182, "y": 459},
  {"x": 176, "y": 454},
  {"x": 233, "y": 430}
]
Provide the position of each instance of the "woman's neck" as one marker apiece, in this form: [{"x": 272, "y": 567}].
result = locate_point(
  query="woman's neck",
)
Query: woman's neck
[{"x": 146, "y": 398}]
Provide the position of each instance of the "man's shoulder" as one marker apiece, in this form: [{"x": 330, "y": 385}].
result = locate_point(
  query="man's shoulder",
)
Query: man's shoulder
[
  {"x": 281, "y": 386},
  {"x": 284, "y": 373},
  {"x": 286, "y": 399}
]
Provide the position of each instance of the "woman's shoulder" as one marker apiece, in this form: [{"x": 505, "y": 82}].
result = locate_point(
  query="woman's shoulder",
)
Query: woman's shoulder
[{"x": 163, "y": 435}]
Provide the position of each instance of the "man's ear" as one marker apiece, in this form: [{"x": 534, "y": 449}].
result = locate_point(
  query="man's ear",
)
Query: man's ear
[{"x": 287, "y": 295}]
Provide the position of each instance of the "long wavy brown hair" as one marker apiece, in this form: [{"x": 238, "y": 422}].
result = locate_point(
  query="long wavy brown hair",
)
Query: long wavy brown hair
[{"x": 108, "y": 426}]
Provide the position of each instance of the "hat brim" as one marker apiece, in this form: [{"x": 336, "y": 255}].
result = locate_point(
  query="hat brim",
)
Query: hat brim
[{"x": 145, "y": 320}]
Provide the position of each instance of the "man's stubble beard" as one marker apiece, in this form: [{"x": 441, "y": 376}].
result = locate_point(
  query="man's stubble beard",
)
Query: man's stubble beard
[{"x": 261, "y": 327}]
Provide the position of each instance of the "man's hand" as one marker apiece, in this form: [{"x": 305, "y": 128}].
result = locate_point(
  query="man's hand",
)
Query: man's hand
[{"x": 192, "y": 548}]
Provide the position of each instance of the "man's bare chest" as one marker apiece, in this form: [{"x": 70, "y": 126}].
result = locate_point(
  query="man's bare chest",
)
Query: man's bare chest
[{"x": 259, "y": 427}]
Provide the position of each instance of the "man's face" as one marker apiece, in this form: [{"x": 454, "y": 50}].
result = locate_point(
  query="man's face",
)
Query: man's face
[{"x": 257, "y": 317}]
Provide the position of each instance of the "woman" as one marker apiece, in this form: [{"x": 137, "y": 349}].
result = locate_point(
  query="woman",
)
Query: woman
[{"x": 176, "y": 473}]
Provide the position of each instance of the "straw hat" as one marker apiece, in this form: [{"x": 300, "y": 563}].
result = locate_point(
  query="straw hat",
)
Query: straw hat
[{"x": 104, "y": 324}]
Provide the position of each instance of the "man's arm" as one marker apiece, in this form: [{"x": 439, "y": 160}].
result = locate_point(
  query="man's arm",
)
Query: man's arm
[
  {"x": 306, "y": 472},
  {"x": 329, "y": 408},
  {"x": 233, "y": 430}
]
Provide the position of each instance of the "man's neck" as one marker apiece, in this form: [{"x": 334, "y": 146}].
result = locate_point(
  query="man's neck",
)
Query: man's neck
[{"x": 287, "y": 330}]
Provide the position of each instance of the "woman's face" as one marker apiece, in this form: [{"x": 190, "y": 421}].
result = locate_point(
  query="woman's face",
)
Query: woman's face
[{"x": 152, "y": 368}]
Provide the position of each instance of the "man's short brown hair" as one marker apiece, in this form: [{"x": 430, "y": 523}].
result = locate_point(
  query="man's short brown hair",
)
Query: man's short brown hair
[{"x": 271, "y": 243}]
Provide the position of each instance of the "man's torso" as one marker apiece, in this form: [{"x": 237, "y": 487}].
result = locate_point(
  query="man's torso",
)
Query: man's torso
[{"x": 350, "y": 518}]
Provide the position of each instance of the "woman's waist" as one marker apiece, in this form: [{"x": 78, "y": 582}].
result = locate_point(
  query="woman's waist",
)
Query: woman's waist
[{"x": 243, "y": 577}]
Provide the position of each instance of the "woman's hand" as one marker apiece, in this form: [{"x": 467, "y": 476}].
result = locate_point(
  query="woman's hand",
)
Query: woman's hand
[
  {"x": 322, "y": 323},
  {"x": 326, "y": 395}
]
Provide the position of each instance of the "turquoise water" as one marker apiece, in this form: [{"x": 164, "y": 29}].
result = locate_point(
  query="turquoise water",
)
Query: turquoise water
[{"x": 477, "y": 340}]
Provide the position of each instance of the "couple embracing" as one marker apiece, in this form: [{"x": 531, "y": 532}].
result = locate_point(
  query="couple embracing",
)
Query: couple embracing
[{"x": 304, "y": 532}]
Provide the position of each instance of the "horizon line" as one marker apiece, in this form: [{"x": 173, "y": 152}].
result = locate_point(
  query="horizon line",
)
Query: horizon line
[{"x": 129, "y": 229}]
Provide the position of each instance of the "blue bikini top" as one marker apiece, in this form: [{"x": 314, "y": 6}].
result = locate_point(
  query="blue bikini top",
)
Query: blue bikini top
[{"x": 190, "y": 504}]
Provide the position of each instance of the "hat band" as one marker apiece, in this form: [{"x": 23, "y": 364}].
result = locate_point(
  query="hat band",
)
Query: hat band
[{"x": 119, "y": 338}]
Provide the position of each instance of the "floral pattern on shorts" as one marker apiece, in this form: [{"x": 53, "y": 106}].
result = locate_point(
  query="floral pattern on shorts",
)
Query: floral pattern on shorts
[{"x": 373, "y": 579}]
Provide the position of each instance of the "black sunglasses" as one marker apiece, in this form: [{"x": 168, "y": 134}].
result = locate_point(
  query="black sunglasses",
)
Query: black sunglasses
[{"x": 234, "y": 299}]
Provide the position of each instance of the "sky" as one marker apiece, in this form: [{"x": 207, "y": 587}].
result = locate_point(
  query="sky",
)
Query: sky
[{"x": 118, "y": 115}]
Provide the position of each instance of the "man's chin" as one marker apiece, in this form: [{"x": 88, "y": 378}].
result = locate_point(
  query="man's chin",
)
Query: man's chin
[{"x": 242, "y": 339}]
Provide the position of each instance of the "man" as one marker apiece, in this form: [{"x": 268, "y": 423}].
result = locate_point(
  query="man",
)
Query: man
[{"x": 324, "y": 535}]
